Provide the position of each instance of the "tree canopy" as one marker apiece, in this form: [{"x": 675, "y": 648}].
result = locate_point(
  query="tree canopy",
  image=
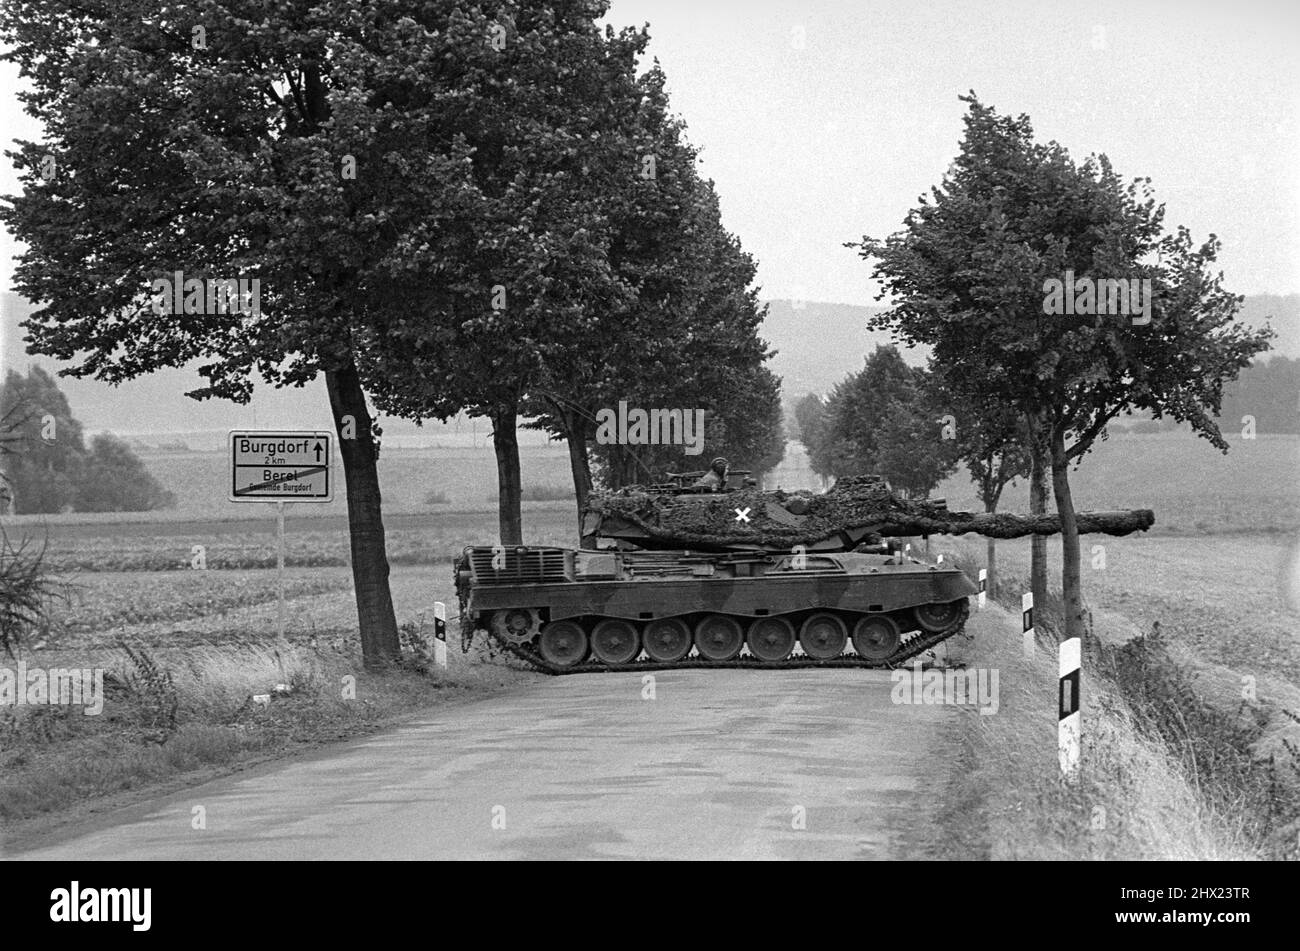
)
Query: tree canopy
[{"x": 981, "y": 269}]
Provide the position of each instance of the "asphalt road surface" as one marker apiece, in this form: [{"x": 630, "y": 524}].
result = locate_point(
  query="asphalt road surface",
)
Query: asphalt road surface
[{"x": 720, "y": 764}]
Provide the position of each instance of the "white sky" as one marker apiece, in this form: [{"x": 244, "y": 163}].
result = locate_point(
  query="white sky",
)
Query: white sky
[{"x": 813, "y": 147}]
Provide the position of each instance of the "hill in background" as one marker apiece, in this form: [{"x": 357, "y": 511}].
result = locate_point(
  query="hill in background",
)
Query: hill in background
[{"x": 817, "y": 345}]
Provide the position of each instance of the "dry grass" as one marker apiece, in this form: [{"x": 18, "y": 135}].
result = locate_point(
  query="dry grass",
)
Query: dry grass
[
  {"x": 173, "y": 712},
  {"x": 1131, "y": 798}
]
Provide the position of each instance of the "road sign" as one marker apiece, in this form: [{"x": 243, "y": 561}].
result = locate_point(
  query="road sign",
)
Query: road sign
[{"x": 280, "y": 466}]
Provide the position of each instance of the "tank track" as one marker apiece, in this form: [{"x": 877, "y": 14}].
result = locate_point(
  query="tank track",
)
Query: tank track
[{"x": 906, "y": 651}]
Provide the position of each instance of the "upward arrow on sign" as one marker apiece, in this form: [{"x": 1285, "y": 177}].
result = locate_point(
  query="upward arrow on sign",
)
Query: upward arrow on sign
[{"x": 318, "y": 451}]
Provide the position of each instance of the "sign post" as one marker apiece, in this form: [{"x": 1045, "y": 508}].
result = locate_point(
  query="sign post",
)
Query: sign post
[
  {"x": 279, "y": 566},
  {"x": 281, "y": 466}
]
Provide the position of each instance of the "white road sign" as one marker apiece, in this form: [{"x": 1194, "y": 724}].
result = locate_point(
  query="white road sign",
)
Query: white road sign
[{"x": 280, "y": 467}]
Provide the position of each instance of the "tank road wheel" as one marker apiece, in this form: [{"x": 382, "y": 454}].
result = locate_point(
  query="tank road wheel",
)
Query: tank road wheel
[
  {"x": 876, "y": 637},
  {"x": 718, "y": 637},
  {"x": 615, "y": 641},
  {"x": 667, "y": 640},
  {"x": 516, "y": 625},
  {"x": 935, "y": 617},
  {"x": 771, "y": 638},
  {"x": 563, "y": 643},
  {"x": 823, "y": 636}
]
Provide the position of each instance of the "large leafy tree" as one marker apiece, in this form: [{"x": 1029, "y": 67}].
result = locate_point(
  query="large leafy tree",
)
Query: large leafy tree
[
  {"x": 382, "y": 168},
  {"x": 972, "y": 272},
  {"x": 687, "y": 335},
  {"x": 553, "y": 149}
]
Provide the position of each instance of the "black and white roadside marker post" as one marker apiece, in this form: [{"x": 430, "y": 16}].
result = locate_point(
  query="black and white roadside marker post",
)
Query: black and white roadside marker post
[
  {"x": 1070, "y": 719},
  {"x": 984, "y": 584},
  {"x": 1027, "y": 621},
  {"x": 440, "y": 633}
]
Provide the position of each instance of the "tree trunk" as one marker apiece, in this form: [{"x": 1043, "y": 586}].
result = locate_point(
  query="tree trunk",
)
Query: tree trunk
[
  {"x": 579, "y": 463},
  {"x": 991, "y": 557},
  {"x": 378, "y": 624},
  {"x": 1070, "y": 586},
  {"x": 505, "y": 441},
  {"x": 1038, "y": 543}
]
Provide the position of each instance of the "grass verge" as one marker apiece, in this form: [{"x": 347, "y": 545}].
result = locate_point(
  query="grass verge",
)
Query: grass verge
[
  {"x": 172, "y": 714},
  {"x": 1180, "y": 760}
]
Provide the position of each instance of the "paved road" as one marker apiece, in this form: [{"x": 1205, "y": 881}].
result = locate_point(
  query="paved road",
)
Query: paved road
[{"x": 580, "y": 767}]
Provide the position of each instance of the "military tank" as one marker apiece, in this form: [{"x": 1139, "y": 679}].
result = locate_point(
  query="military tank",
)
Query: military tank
[{"x": 628, "y": 600}]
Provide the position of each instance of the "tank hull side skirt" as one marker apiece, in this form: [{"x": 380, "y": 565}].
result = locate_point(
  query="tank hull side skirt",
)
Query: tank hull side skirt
[{"x": 748, "y": 597}]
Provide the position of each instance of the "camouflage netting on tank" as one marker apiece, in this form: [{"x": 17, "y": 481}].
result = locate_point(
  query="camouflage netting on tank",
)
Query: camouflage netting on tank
[{"x": 783, "y": 519}]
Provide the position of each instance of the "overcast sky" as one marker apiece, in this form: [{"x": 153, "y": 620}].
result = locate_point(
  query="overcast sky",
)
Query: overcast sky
[
  {"x": 821, "y": 121},
  {"x": 814, "y": 146}
]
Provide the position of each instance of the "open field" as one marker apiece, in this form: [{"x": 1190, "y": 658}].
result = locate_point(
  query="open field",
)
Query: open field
[
  {"x": 173, "y": 609},
  {"x": 1193, "y": 488},
  {"x": 1252, "y": 489},
  {"x": 427, "y": 539},
  {"x": 1223, "y": 596}
]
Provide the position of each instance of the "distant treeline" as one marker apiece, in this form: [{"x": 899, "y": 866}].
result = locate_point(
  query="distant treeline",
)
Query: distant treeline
[
  {"x": 46, "y": 466},
  {"x": 1268, "y": 391}
]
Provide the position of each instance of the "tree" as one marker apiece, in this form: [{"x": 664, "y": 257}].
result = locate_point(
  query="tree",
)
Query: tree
[
  {"x": 376, "y": 167},
  {"x": 991, "y": 439},
  {"x": 810, "y": 417},
  {"x": 48, "y": 467},
  {"x": 687, "y": 335},
  {"x": 978, "y": 271},
  {"x": 47, "y": 446},
  {"x": 546, "y": 141},
  {"x": 885, "y": 419},
  {"x": 743, "y": 424}
]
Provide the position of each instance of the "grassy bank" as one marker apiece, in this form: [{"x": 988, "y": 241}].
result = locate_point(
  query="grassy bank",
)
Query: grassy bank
[
  {"x": 171, "y": 716},
  {"x": 1183, "y": 758}
]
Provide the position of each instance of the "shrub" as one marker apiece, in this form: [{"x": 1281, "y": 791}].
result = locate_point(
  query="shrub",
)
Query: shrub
[
  {"x": 27, "y": 589},
  {"x": 113, "y": 479}
]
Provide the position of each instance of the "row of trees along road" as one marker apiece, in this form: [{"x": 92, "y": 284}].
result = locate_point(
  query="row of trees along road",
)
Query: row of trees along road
[
  {"x": 967, "y": 279},
  {"x": 900, "y": 422},
  {"x": 447, "y": 210}
]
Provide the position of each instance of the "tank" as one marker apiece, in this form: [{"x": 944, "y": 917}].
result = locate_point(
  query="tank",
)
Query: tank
[{"x": 625, "y": 602}]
